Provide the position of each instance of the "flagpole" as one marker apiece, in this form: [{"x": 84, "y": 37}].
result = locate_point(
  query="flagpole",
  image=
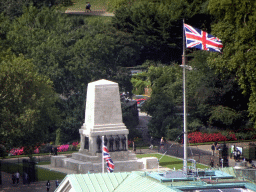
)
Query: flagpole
[
  {"x": 184, "y": 103},
  {"x": 102, "y": 141}
]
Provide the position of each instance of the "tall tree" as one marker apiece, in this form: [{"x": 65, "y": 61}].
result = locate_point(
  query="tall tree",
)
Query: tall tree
[
  {"x": 235, "y": 26},
  {"x": 157, "y": 25},
  {"x": 27, "y": 112},
  {"x": 163, "y": 105},
  {"x": 209, "y": 91}
]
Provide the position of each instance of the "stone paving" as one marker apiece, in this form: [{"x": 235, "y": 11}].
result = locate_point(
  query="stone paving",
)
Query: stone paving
[{"x": 7, "y": 185}]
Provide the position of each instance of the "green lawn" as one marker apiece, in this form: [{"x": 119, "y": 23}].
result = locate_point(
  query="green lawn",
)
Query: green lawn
[
  {"x": 44, "y": 175},
  {"x": 170, "y": 162}
]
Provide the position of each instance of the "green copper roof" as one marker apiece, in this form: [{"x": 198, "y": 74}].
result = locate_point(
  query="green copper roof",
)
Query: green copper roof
[
  {"x": 96, "y": 182},
  {"x": 118, "y": 182},
  {"x": 139, "y": 182}
]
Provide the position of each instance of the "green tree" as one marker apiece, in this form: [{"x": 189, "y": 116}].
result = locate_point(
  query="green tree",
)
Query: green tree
[
  {"x": 163, "y": 105},
  {"x": 72, "y": 52},
  {"x": 157, "y": 25},
  {"x": 15, "y": 8},
  {"x": 139, "y": 82},
  {"x": 209, "y": 90},
  {"x": 236, "y": 29},
  {"x": 210, "y": 96},
  {"x": 162, "y": 109},
  {"x": 27, "y": 112}
]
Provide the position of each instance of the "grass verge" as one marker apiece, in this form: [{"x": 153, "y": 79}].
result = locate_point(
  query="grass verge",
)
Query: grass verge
[
  {"x": 45, "y": 174},
  {"x": 170, "y": 162}
]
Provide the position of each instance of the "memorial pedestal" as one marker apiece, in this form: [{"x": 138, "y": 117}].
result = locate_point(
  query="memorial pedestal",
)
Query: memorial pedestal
[{"x": 103, "y": 117}]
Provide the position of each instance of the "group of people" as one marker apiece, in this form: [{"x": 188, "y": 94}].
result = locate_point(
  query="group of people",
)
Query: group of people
[
  {"x": 48, "y": 184},
  {"x": 16, "y": 177},
  {"x": 162, "y": 142},
  {"x": 237, "y": 154}
]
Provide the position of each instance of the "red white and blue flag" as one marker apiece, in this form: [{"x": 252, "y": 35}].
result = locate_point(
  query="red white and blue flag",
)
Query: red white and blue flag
[
  {"x": 196, "y": 38},
  {"x": 106, "y": 156}
]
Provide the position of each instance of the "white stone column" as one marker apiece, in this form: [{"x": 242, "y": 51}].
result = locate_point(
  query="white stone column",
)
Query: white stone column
[{"x": 82, "y": 140}]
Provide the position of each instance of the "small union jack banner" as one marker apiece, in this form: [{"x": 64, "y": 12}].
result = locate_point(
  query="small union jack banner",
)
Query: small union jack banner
[
  {"x": 196, "y": 38},
  {"x": 106, "y": 156}
]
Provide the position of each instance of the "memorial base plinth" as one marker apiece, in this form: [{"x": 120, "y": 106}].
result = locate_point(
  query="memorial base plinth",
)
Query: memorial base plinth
[{"x": 84, "y": 163}]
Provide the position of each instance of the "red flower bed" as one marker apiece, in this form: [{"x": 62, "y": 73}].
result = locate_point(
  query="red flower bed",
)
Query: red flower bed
[
  {"x": 129, "y": 143},
  {"x": 199, "y": 137},
  {"x": 20, "y": 151},
  {"x": 75, "y": 144}
]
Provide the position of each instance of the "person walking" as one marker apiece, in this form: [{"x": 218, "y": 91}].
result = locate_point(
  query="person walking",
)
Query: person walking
[
  {"x": 88, "y": 7},
  {"x": 17, "y": 175},
  {"x": 134, "y": 147},
  {"x": 238, "y": 154},
  {"x": 162, "y": 144},
  {"x": 13, "y": 178},
  {"x": 48, "y": 185},
  {"x": 235, "y": 154},
  {"x": 26, "y": 178},
  {"x": 57, "y": 183},
  {"x": 212, "y": 162},
  {"x": 213, "y": 149},
  {"x": 151, "y": 143}
]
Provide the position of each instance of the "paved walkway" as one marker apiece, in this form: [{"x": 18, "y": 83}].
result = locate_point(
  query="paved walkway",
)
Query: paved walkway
[
  {"x": 93, "y": 12},
  {"x": 7, "y": 185}
]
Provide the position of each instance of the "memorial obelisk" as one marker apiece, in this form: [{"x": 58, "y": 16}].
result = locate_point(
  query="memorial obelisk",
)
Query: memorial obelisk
[{"x": 103, "y": 115}]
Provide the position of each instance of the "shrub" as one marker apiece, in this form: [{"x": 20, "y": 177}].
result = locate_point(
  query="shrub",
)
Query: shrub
[
  {"x": 74, "y": 145},
  {"x": 3, "y": 151},
  {"x": 45, "y": 148},
  {"x": 17, "y": 151},
  {"x": 63, "y": 148}
]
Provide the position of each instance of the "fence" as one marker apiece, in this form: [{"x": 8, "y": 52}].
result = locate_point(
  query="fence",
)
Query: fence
[{"x": 22, "y": 166}]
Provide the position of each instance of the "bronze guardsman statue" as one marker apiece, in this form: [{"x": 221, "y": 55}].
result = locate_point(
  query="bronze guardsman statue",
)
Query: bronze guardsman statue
[
  {"x": 117, "y": 140},
  {"x": 99, "y": 144},
  {"x": 123, "y": 140},
  {"x": 111, "y": 141}
]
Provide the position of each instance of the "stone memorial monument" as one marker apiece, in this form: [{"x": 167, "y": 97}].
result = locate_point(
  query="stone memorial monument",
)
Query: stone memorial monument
[{"x": 103, "y": 117}]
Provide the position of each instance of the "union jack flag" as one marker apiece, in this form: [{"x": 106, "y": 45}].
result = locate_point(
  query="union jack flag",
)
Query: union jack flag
[
  {"x": 197, "y": 38},
  {"x": 106, "y": 156}
]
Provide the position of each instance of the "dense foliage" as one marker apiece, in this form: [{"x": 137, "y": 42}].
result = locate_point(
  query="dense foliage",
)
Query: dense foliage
[
  {"x": 213, "y": 100},
  {"x": 236, "y": 27},
  {"x": 27, "y": 111},
  {"x": 72, "y": 52},
  {"x": 61, "y": 54}
]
